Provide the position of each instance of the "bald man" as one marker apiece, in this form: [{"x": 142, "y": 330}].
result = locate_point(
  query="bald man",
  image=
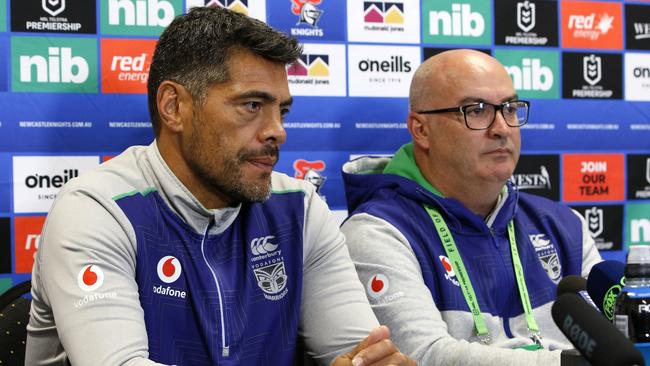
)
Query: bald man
[{"x": 437, "y": 231}]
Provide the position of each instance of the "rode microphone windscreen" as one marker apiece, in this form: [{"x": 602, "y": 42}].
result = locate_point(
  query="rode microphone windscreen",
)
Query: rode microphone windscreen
[{"x": 590, "y": 333}]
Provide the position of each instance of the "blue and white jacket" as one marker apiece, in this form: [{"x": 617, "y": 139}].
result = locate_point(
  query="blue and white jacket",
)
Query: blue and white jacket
[
  {"x": 133, "y": 270},
  {"x": 412, "y": 286}
]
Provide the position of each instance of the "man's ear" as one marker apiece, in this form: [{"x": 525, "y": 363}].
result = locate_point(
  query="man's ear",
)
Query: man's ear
[
  {"x": 173, "y": 101},
  {"x": 419, "y": 130}
]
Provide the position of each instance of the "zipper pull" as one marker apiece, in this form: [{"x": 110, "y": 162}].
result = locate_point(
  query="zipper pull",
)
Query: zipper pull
[{"x": 225, "y": 351}]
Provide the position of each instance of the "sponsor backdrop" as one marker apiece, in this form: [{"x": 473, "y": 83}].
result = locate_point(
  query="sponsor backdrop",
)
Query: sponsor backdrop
[{"x": 73, "y": 82}]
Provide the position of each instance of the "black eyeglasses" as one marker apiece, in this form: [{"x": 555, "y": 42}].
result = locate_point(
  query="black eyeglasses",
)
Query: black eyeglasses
[{"x": 480, "y": 116}]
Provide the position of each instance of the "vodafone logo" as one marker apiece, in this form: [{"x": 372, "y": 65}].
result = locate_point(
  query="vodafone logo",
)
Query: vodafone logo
[
  {"x": 449, "y": 269},
  {"x": 377, "y": 285},
  {"x": 169, "y": 269},
  {"x": 90, "y": 278}
]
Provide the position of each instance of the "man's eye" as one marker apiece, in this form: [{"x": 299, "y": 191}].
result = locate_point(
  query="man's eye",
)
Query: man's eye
[
  {"x": 475, "y": 111},
  {"x": 253, "y": 106},
  {"x": 284, "y": 111}
]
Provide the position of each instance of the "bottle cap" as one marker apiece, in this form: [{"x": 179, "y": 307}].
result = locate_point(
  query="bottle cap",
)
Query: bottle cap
[{"x": 638, "y": 261}]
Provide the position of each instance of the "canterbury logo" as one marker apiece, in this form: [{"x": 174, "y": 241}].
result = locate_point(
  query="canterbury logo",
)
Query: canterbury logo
[{"x": 263, "y": 245}]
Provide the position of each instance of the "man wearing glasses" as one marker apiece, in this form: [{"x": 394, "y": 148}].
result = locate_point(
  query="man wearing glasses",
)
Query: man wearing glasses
[{"x": 450, "y": 252}]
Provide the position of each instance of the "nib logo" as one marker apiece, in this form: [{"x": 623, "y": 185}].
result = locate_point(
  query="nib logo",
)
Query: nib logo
[
  {"x": 531, "y": 75},
  {"x": 140, "y": 13},
  {"x": 450, "y": 275},
  {"x": 462, "y": 21},
  {"x": 54, "y": 64},
  {"x": 169, "y": 269},
  {"x": 532, "y": 72},
  {"x": 592, "y": 69},
  {"x": 377, "y": 285},
  {"x": 457, "y": 22},
  {"x": 57, "y": 68},
  {"x": 138, "y": 17},
  {"x": 90, "y": 278}
]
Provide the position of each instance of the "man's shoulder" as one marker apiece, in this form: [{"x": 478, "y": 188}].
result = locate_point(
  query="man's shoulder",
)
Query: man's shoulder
[
  {"x": 121, "y": 175},
  {"x": 282, "y": 184}
]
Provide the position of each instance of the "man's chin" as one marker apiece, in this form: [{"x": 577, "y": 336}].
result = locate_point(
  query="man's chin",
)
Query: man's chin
[{"x": 258, "y": 191}]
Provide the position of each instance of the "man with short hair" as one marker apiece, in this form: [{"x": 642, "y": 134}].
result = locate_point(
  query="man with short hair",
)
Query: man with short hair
[
  {"x": 192, "y": 251},
  {"x": 438, "y": 233}
]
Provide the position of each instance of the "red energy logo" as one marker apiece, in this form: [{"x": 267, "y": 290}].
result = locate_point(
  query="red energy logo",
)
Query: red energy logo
[
  {"x": 592, "y": 25},
  {"x": 125, "y": 65},
  {"x": 27, "y": 236}
]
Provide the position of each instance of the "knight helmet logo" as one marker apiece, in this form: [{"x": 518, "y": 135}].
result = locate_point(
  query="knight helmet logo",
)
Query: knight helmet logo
[
  {"x": 525, "y": 16},
  {"x": 310, "y": 171},
  {"x": 647, "y": 170},
  {"x": 594, "y": 217},
  {"x": 53, "y": 7},
  {"x": 592, "y": 69},
  {"x": 307, "y": 11}
]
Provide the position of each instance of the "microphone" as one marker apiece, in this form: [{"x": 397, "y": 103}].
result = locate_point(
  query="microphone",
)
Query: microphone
[
  {"x": 573, "y": 284},
  {"x": 596, "y": 338},
  {"x": 604, "y": 283}
]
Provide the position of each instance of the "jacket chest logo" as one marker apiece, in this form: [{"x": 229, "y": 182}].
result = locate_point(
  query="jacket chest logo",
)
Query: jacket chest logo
[
  {"x": 547, "y": 255},
  {"x": 268, "y": 267}
]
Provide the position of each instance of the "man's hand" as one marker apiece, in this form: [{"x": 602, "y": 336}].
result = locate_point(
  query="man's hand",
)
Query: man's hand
[{"x": 377, "y": 349}]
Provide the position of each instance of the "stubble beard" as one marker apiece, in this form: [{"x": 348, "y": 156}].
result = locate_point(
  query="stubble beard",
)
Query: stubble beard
[{"x": 227, "y": 178}]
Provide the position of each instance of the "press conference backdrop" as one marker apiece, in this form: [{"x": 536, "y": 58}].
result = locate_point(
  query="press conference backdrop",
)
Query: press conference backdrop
[{"x": 73, "y": 83}]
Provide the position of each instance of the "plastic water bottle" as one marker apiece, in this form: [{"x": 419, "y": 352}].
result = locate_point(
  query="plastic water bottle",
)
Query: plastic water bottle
[{"x": 632, "y": 309}]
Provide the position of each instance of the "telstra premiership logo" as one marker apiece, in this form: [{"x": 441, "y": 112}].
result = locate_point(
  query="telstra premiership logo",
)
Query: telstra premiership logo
[
  {"x": 525, "y": 16},
  {"x": 592, "y": 69},
  {"x": 54, "y": 64},
  {"x": 53, "y": 7}
]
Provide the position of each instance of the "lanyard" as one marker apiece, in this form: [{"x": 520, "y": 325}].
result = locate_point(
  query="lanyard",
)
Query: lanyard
[{"x": 466, "y": 287}]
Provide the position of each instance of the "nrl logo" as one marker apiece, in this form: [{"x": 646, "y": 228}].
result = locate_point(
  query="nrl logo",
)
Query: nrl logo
[
  {"x": 592, "y": 69},
  {"x": 594, "y": 217},
  {"x": 53, "y": 7},
  {"x": 525, "y": 16}
]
